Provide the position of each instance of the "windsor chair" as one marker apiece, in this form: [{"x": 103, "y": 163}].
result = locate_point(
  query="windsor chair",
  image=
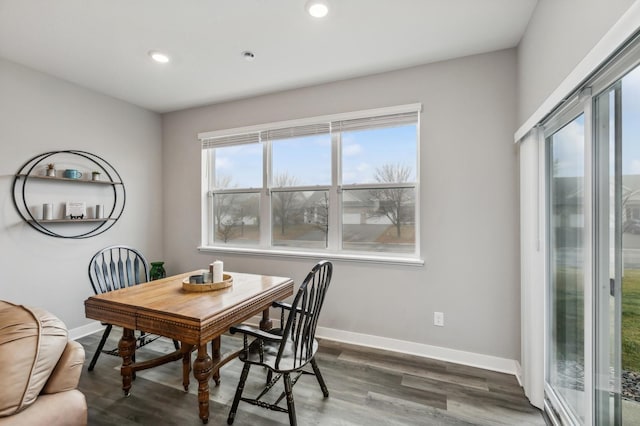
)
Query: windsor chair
[{"x": 288, "y": 350}]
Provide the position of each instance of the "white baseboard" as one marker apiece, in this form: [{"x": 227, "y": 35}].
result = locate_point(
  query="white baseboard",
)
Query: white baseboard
[
  {"x": 85, "y": 330},
  {"x": 487, "y": 362},
  {"x": 519, "y": 376}
]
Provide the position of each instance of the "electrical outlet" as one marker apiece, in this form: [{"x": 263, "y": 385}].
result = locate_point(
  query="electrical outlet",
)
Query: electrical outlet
[{"x": 438, "y": 319}]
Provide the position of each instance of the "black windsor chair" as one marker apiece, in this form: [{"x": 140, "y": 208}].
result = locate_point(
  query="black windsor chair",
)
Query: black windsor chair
[
  {"x": 287, "y": 350},
  {"x": 113, "y": 268}
]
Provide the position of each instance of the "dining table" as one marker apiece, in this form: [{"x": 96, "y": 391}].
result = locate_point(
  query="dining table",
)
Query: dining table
[{"x": 165, "y": 307}]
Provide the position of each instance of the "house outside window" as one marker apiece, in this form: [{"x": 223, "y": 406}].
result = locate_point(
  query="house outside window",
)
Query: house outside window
[{"x": 345, "y": 184}]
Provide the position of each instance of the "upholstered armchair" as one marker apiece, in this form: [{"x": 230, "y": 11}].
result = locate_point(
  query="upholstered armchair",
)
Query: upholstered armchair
[{"x": 40, "y": 369}]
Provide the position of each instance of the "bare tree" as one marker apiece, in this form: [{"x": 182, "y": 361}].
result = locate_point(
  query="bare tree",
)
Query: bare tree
[
  {"x": 224, "y": 202},
  {"x": 223, "y": 181},
  {"x": 284, "y": 202},
  {"x": 227, "y": 230},
  {"x": 247, "y": 207},
  {"x": 392, "y": 201},
  {"x": 321, "y": 216}
]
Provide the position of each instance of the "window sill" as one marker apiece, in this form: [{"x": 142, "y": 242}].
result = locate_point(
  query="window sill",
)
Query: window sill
[{"x": 347, "y": 257}]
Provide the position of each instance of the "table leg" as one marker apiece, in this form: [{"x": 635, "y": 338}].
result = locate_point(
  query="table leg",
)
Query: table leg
[
  {"x": 127, "y": 350},
  {"x": 266, "y": 323},
  {"x": 215, "y": 353},
  {"x": 202, "y": 372}
]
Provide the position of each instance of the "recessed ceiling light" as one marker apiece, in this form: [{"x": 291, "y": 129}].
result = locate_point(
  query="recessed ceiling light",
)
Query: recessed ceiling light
[
  {"x": 248, "y": 55},
  {"x": 317, "y": 8},
  {"x": 159, "y": 56}
]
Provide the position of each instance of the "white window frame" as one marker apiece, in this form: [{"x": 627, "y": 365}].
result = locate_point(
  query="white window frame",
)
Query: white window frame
[{"x": 334, "y": 236}]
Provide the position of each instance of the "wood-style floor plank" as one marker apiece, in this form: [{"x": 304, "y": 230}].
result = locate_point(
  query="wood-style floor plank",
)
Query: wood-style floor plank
[{"x": 367, "y": 387}]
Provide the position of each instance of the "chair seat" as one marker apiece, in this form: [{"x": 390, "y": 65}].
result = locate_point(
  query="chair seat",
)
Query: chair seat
[{"x": 270, "y": 354}]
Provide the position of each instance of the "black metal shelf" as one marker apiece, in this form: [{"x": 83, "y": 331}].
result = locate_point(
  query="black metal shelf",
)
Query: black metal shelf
[{"x": 27, "y": 174}]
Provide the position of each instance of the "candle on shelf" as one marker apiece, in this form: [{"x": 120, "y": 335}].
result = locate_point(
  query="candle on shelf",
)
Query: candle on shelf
[
  {"x": 216, "y": 271},
  {"x": 47, "y": 211}
]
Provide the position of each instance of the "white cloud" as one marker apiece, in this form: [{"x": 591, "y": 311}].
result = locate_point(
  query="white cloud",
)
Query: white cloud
[
  {"x": 223, "y": 163},
  {"x": 363, "y": 167},
  {"x": 321, "y": 140},
  {"x": 635, "y": 167},
  {"x": 242, "y": 150},
  {"x": 358, "y": 174},
  {"x": 351, "y": 150},
  {"x": 349, "y": 177}
]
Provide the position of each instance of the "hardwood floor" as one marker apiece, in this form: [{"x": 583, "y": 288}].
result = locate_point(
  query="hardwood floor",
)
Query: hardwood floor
[{"x": 367, "y": 387}]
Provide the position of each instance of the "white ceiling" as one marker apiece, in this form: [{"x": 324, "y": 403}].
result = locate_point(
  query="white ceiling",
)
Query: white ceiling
[{"x": 103, "y": 44}]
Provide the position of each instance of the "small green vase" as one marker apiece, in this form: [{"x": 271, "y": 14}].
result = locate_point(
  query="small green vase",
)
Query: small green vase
[{"x": 157, "y": 271}]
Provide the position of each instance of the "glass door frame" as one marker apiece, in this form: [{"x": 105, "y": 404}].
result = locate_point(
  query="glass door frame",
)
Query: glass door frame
[
  {"x": 579, "y": 105},
  {"x": 608, "y": 326}
]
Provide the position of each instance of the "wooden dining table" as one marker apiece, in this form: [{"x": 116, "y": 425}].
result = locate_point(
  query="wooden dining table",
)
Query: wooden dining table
[{"x": 163, "y": 307}]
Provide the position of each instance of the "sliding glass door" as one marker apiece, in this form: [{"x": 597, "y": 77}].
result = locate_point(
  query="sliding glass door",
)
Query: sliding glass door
[
  {"x": 565, "y": 374},
  {"x": 617, "y": 299},
  {"x": 592, "y": 365}
]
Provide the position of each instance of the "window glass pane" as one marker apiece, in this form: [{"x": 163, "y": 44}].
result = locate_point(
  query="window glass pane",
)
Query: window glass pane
[
  {"x": 236, "y": 218},
  {"x": 365, "y": 153},
  {"x": 238, "y": 166},
  {"x": 567, "y": 352},
  {"x": 300, "y": 218},
  {"x": 629, "y": 297},
  {"x": 381, "y": 220},
  {"x": 302, "y": 161}
]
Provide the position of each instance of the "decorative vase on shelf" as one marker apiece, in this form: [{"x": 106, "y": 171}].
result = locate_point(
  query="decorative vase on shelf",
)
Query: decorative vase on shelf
[{"x": 157, "y": 271}]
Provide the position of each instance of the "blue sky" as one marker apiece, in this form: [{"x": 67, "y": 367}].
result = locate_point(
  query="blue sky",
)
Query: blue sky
[
  {"x": 309, "y": 158},
  {"x": 365, "y": 150},
  {"x": 243, "y": 163}
]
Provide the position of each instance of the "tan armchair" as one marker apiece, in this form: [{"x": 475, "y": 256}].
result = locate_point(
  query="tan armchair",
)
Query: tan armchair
[{"x": 40, "y": 369}]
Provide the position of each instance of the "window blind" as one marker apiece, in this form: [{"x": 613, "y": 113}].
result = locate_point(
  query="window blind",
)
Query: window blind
[
  {"x": 324, "y": 125},
  {"x": 230, "y": 140},
  {"x": 400, "y": 119},
  {"x": 296, "y": 131}
]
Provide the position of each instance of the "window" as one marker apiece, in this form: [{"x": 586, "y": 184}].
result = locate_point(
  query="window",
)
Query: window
[
  {"x": 345, "y": 184},
  {"x": 379, "y": 181}
]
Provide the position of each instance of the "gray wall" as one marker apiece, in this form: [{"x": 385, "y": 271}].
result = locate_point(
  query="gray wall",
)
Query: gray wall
[
  {"x": 40, "y": 113},
  {"x": 559, "y": 35},
  {"x": 469, "y": 207}
]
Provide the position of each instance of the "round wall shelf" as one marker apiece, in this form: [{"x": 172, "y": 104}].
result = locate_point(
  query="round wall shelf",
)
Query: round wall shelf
[{"x": 33, "y": 179}]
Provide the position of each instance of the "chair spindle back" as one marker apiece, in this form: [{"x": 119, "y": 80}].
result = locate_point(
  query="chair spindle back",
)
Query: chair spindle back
[
  {"x": 300, "y": 330},
  {"x": 117, "y": 267}
]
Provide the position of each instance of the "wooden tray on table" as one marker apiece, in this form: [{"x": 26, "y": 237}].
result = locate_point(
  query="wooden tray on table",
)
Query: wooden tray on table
[{"x": 227, "y": 281}]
